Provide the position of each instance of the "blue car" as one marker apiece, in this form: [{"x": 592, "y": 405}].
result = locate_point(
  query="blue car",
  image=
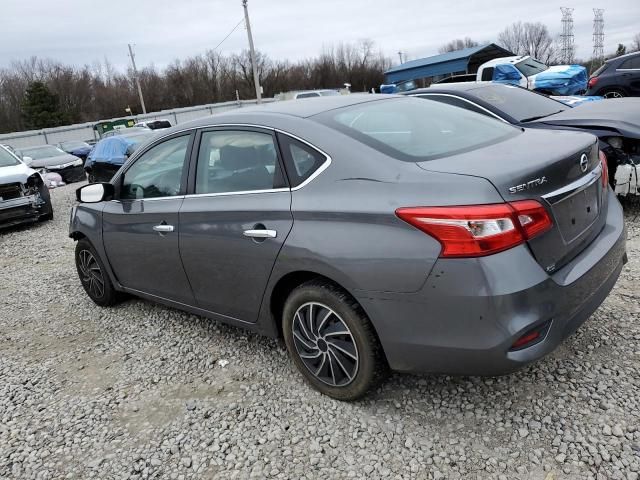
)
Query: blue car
[{"x": 109, "y": 154}]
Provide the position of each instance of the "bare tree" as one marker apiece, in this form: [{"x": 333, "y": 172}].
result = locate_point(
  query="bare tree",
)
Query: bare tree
[
  {"x": 635, "y": 43},
  {"x": 458, "y": 44},
  {"x": 100, "y": 91},
  {"x": 528, "y": 39}
]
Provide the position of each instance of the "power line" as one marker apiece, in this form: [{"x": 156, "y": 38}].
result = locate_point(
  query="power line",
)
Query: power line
[{"x": 229, "y": 34}]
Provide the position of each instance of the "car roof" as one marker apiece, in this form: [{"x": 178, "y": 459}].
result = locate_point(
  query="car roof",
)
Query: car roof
[
  {"x": 303, "y": 108},
  {"x": 451, "y": 87}
]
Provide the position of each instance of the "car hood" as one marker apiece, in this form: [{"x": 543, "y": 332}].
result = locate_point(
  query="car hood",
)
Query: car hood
[
  {"x": 621, "y": 114},
  {"x": 53, "y": 161},
  {"x": 15, "y": 173}
]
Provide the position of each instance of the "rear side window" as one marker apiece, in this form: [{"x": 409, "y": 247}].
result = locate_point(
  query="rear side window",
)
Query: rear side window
[
  {"x": 301, "y": 160},
  {"x": 412, "y": 129},
  {"x": 487, "y": 74},
  {"x": 237, "y": 161},
  {"x": 600, "y": 70},
  {"x": 308, "y": 95},
  {"x": 631, "y": 64}
]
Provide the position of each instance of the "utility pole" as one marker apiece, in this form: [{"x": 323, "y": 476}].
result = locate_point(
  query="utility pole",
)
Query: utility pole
[
  {"x": 252, "y": 52},
  {"x": 135, "y": 76},
  {"x": 400, "y": 55}
]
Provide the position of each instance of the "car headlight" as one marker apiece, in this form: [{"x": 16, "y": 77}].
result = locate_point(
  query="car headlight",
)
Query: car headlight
[
  {"x": 77, "y": 162},
  {"x": 32, "y": 185}
]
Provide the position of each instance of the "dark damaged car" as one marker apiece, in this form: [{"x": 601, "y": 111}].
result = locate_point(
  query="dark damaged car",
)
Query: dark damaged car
[
  {"x": 615, "y": 122},
  {"x": 23, "y": 195},
  {"x": 49, "y": 158}
]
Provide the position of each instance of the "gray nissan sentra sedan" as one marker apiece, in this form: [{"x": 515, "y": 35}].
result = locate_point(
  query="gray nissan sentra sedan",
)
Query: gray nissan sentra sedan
[{"x": 371, "y": 232}]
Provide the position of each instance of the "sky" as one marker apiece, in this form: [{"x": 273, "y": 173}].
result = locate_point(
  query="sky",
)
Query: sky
[{"x": 83, "y": 32}]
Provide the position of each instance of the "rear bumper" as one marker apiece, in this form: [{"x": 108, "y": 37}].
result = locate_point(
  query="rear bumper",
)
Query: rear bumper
[
  {"x": 70, "y": 174},
  {"x": 102, "y": 172},
  {"x": 471, "y": 311}
]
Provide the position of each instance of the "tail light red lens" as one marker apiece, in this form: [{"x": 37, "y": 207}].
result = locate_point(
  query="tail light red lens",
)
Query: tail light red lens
[
  {"x": 592, "y": 82},
  {"x": 605, "y": 169},
  {"x": 479, "y": 230}
]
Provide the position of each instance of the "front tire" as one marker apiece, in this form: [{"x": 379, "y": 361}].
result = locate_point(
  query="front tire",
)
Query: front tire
[
  {"x": 332, "y": 342},
  {"x": 93, "y": 275}
]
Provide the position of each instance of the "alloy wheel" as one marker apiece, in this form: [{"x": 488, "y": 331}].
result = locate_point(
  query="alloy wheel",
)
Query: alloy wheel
[
  {"x": 325, "y": 344},
  {"x": 614, "y": 94},
  {"x": 91, "y": 275}
]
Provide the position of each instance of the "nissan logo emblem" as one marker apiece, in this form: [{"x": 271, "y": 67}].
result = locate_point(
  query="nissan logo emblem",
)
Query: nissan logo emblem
[{"x": 584, "y": 162}]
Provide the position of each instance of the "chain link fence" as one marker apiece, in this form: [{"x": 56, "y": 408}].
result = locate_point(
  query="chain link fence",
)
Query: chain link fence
[{"x": 85, "y": 131}]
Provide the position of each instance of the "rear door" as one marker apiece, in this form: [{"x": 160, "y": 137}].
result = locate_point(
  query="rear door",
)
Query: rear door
[
  {"x": 235, "y": 221},
  {"x": 629, "y": 71}
]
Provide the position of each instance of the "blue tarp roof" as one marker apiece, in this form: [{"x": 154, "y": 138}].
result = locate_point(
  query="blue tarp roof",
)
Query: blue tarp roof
[{"x": 445, "y": 63}]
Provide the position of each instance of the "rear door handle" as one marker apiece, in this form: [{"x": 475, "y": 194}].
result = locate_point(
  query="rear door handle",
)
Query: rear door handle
[
  {"x": 163, "y": 228},
  {"x": 262, "y": 233}
]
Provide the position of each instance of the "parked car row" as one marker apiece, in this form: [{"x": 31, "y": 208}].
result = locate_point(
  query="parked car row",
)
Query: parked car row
[{"x": 372, "y": 232}]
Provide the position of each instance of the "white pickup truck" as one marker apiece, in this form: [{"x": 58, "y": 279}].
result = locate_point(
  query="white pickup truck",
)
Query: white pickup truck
[{"x": 530, "y": 73}]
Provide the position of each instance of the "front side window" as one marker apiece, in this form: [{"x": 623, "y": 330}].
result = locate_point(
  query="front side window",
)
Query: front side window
[
  {"x": 413, "y": 130},
  {"x": 237, "y": 161},
  {"x": 158, "y": 172}
]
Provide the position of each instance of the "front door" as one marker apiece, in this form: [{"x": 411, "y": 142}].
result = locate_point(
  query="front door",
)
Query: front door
[
  {"x": 140, "y": 227},
  {"x": 233, "y": 226}
]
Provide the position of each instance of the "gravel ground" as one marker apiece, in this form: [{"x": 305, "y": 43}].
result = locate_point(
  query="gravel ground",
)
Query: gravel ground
[{"x": 143, "y": 391}]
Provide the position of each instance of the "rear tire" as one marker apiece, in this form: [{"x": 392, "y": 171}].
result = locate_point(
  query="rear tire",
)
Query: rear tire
[
  {"x": 332, "y": 342},
  {"x": 93, "y": 275},
  {"x": 613, "y": 93}
]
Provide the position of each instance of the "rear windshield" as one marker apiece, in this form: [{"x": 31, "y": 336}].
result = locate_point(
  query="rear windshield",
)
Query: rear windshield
[
  {"x": 413, "y": 130},
  {"x": 519, "y": 103},
  {"x": 530, "y": 67}
]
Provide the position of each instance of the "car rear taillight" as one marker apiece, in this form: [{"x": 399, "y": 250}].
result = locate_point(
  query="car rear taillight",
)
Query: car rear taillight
[
  {"x": 592, "y": 82},
  {"x": 531, "y": 337},
  {"x": 605, "y": 169},
  {"x": 479, "y": 230}
]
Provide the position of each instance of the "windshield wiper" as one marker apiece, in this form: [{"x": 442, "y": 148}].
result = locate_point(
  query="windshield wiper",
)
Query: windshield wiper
[{"x": 531, "y": 119}]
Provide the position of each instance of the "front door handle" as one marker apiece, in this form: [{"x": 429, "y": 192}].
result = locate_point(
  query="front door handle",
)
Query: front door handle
[
  {"x": 261, "y": 233},
  {"x": 162, "y": 228}
]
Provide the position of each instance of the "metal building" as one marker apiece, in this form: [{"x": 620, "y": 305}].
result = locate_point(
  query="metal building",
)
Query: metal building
[{"x": 437, "y": 67}]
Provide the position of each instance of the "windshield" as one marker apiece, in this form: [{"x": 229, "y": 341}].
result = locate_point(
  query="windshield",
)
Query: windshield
[
  {"x": 413, "y": 130},
  {"x": 521, "y": 104},
  {"x": 42, "y": 152},
  {"x": 329, "y": 93},
  {"x": 7, "y": 160},
  {"x": 74, "y": 145},
  {"x": 531, "y": 66}
]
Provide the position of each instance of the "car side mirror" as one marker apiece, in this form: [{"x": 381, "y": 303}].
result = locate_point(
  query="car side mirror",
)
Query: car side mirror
[
  {"x": 95, "y": 192},
  {"x": 28, "y": 161}
]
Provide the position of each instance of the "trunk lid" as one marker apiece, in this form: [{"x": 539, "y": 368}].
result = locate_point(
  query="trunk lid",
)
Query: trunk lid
[{"x": 559, "y": 169}]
